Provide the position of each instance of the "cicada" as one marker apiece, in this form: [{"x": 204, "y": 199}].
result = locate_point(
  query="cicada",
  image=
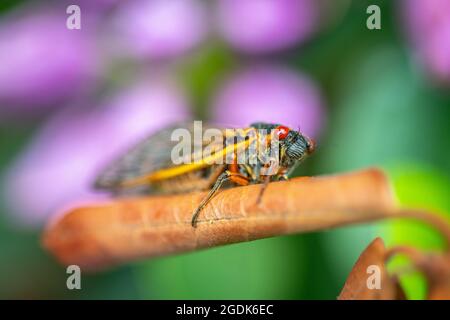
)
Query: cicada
[{"x": 162, "y": 163}]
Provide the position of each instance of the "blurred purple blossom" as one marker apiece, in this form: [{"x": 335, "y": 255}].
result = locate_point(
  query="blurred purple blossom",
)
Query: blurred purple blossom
[
  {"x": 59, "y": 166},
  {"x": 260, "y": 26},
  {"x": 270, "y": 94},
  {"x": 42, "y": 62},
  {"x": 159, "y": 28},
  {"x": 96, "y": 5},
  {"x": 428, "y": 27}
]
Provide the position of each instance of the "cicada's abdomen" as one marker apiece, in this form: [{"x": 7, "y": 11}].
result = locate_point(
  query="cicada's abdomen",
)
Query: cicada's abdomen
[{"x": 198, "y": 180}]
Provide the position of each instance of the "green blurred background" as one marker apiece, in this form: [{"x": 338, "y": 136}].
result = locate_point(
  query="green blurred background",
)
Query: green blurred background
[{"x": 382, "y": 110}]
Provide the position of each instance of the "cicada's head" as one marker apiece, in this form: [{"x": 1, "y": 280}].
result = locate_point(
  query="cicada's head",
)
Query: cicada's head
[{"x": 294, "y": 146}]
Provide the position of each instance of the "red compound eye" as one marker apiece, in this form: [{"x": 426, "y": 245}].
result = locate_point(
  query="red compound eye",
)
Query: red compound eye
[{"x": 282, "y": 132}]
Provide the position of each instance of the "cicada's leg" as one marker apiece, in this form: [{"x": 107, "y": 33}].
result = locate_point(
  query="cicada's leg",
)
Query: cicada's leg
[
  {"x": 225, "y": 176},
  {"x": 282, "y": 177},
  {"x": 263, "y": 188}
]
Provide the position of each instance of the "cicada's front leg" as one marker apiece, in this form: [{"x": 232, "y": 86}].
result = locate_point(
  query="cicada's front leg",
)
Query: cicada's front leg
[
  {"x": 263, "y": 188},
  {"x": 269, "y": 170},
  {"x": 282, "y": 175}
]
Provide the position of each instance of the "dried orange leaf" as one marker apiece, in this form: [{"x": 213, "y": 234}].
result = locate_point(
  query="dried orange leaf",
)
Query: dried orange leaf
[
  {"x": 435, "y": 267},
  {"x": 127, "y": 229},
  {"x": 369, "y": 279},
  {"x": 124, "y": 230},
  {"x": 437, "y": 270}
]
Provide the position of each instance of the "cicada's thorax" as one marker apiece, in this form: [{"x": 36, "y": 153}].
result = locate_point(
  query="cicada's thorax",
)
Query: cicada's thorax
[{"x": 262, "y": 158}]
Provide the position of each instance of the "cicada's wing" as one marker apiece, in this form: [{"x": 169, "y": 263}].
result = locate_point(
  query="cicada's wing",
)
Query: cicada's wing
[{"x": 151, "y": 156}]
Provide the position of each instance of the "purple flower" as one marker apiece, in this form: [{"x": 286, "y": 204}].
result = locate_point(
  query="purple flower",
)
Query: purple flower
[
  {"x": 428, "y": 27},
  {"x": 260, "y": 26},
  {"x": 159, "y": 28},
  {"x": 42, "y": 62},
  {"x": 59, "y": 166},
  {"x": 270, "y": 94},
  {"x": 97, "y": 5}
]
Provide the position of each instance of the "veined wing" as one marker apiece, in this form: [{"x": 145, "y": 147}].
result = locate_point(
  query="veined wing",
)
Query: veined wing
[
  {"x": 167, "y": 173},
  {"x": 150, "y": 160}
]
